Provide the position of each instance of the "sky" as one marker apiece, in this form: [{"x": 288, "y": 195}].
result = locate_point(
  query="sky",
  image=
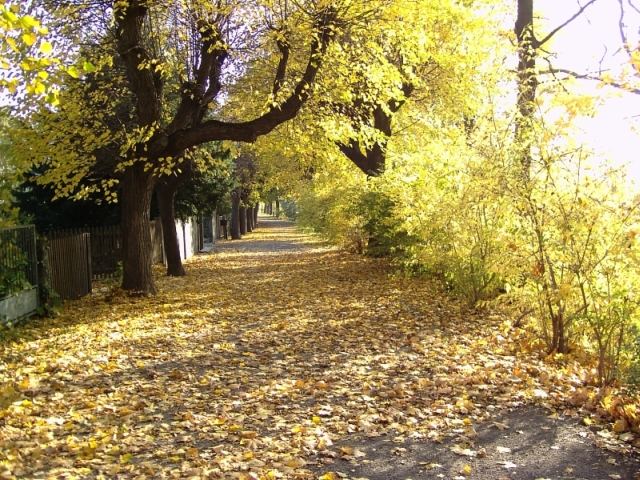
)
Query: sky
[{"x": 614, "y": 132}]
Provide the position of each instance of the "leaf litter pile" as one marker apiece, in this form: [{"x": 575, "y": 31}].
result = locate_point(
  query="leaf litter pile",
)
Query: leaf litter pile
[{"x": 258, "y": 365}]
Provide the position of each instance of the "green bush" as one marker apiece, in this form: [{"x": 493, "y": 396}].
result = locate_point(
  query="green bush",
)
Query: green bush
[{"x": 13, "y": 277}]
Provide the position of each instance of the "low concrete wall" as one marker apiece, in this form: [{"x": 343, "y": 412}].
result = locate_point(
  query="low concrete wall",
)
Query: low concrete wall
[{"x": 18, "y": 305}]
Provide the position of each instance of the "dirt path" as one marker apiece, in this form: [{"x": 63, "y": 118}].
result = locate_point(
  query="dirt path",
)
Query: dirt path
[{"x": 279, "y": 357}]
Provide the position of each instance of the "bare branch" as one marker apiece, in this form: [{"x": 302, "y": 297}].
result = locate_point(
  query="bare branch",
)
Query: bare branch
[
  {"x": 621, "y": 27},
  {"x": 588, "y": 76},
  {"x": 539, "y": 43}
]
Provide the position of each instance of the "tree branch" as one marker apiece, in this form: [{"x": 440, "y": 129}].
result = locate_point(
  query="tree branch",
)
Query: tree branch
[
  {"x": 196, "y": 96},
  {"x": 587, "y": 76},
  {"x": 372, "y": 161},
  {"x": 249, "y": 131},
  {"x": 539, "y": 43},
  {"x": 366, "y": 163},
  {"x": 281, "y": 71},
  {"x": 623, "y": 34},
  {"x": 144, "y": 83}
]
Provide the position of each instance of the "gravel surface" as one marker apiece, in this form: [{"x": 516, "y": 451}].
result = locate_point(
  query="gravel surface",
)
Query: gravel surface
[{"x": 524, "y": 444}]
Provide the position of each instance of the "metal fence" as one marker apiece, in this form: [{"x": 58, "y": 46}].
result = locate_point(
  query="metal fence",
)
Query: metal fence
[
  {"x": 71, "y": 259},
  {"x": 70, "y": 270},
  {"x": 105, "y": 248},
  {"x": 18, "y": 259}
]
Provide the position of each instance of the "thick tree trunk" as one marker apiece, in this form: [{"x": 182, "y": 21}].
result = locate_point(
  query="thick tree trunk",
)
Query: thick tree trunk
[
  {"x": 235, "y": 216},
  {"x": 277, "y": 207},
  {"x": 165, "y": 194},
  {"x": 255, "y": 215},
  {"x": 243, "y": 220},
  {"x": 137, "y": 188}
]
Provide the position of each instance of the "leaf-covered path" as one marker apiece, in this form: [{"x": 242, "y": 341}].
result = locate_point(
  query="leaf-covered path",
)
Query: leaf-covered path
[{"x": 278, "y": 357}]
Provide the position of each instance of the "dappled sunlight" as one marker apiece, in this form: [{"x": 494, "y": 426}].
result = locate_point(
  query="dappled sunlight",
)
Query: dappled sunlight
[{"x": 256, "y": 363}]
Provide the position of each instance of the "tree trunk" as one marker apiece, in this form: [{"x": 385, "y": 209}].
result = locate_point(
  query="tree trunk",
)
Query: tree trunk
[
  {"x": 235, "y": 216},
  {"x": 527, "y": 84},
  {"x": 255, "y": 215},
  {"x": 249, "y": 219},
  {"x": 165, "y": 194},
  {"x": 243, "y": 220},
  {"x": 137, "y": 188},
  {"x": 277, "y": 207}
]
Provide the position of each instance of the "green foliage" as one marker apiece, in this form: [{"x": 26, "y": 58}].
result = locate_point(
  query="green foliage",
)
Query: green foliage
[
  {"x": 633, "y": 370},
  {"x": 290, "y": 209},
  {"x": 329, "y": 208},
  {"x": 375, "y": 208},
  {"x": 13, "y": 263},
  {"x": 207, "y": 189}
]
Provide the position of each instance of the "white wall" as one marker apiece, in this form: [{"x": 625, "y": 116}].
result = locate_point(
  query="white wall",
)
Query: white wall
[{"x": 187, "y": 238}]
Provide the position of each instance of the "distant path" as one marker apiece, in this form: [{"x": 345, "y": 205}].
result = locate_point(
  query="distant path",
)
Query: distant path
[
  {"x": 280, "y": 357},
  {"x": 275, "y": 235}
]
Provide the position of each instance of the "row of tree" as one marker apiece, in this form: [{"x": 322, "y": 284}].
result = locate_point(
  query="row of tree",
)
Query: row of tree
[{"x": 394, "y": 120}]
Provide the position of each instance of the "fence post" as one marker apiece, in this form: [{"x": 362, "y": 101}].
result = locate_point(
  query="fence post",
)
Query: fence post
[{"x": 87, "y": 238}]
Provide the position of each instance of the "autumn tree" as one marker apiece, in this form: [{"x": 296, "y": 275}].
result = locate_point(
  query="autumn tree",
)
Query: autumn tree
[
  {"x": 174, "y": 60},
  {"x": 244, "y": 195},
  {"x": 529, "y": 47}
]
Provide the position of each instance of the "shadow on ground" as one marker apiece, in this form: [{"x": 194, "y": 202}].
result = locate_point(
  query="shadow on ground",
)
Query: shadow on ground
[
  {"x": 524, "y": 444},
  {"x": 271, "y": 347}
]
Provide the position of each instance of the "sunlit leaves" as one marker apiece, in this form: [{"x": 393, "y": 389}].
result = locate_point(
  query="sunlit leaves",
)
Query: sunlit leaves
[
  {"x": 195, "y": 381},
  {"x": 23, "y": 51}
]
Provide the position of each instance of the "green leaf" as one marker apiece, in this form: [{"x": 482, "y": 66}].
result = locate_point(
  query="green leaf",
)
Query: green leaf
[{"x": 88, "y": 67}]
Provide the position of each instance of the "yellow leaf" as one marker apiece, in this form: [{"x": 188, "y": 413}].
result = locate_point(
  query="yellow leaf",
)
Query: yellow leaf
[
  {"x": 12, "y": 43},
  {"x": 39, "y": 88},
  {"x": 466, "y": 470},
  {"x": 88, "y": 67},
  {"x": 192, "y": 453},
  {"x": 24, "y": 384},
  {"x": 73, "y": 72},
  {"x": 298, "y": 429},
  {"x": 295, "y": 463},
  {"x": 316, "y": 420},
  {"x": 29, "y": 39},
  {"x": 46, "y": 47},
  {"x": 328, "y": 476},
  {"x": 620, "y": 426},
  {"x": 347, "y": 451},
  {"x": 29, "y": 22},
  {"x": 126, "y": 458}
]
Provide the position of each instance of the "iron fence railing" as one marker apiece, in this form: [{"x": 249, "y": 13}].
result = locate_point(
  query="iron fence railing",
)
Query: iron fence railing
[{"x": 18, "y": 259}]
